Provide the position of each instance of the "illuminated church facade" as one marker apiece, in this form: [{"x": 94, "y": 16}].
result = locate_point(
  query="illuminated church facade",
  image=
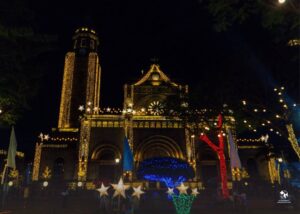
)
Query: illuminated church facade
[{"x": 87, "y": 144}]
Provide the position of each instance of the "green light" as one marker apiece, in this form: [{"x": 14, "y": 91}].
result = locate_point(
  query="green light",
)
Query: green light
[{"x": 183, "y": 203}]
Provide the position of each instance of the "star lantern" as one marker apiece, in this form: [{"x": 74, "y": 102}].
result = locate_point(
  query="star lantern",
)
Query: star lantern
[{"x": 120, "y": 188}]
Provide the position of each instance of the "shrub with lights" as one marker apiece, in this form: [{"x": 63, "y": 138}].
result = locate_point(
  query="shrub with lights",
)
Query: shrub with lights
[{"x": 171, "y": 171}]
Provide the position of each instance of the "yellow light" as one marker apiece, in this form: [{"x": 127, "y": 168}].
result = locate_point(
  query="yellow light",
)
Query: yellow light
[{"x": 285, "y": 106}]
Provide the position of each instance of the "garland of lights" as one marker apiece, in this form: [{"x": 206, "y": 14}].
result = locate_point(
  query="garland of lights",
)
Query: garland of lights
[
  {"x": 220, "y": 151},
  {"x": 183, "y": 203}
]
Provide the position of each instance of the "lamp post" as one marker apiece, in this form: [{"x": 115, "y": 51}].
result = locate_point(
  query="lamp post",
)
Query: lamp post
[{"x": 117, "y": 161}]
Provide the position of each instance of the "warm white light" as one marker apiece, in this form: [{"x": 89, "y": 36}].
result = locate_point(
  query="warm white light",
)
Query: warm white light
[
  {"x": 282, "y": 88},
  {"x": 255, "y": 110},
  {"x": 245, "y": 121},
  {"x": 279, "y": 160},
  {"x": 264, "y": 110},
  {"x": 281, "y": 100},
  {"x": 0, "y": 111},
  {"x": 279, "y": 93},
  {"x": 263, "y": 124},
  {"x": 89, "y": 103},
  {"x": 10, "y": 183},
  {"x": 206, "y": 128},
  {"x": 255, "y": 130},
  {"x": 193, "y": 136},
  {"x": 79, "y": 184},
  {"x": 281, "y": 2},
  {"x": 277, "y": 116},
  {"x": 244, "y": 102},
  {"x": 45, "y": 183},
  {"x": 268, "y": 121},
  {"x": 117, "y": 160}
]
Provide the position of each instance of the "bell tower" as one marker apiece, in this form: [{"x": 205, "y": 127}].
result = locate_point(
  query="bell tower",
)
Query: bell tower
[{"x": 81, "y": 78}]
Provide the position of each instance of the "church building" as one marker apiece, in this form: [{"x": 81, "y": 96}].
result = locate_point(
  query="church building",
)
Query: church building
[{"x": 87, "y": 144}]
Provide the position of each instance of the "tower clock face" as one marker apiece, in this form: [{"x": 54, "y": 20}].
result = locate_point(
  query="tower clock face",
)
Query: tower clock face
[{"x": 156, "y": 108}]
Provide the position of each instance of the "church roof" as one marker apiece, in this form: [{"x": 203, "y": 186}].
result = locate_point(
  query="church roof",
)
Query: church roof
[{"x": 155, "y": 75}]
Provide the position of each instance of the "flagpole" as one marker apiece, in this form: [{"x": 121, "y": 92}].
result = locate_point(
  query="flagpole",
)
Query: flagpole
[{"x": 3, "y": 174}]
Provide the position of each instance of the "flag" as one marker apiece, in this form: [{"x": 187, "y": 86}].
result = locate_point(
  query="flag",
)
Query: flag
[
  {"x": 12, "y": 149},
  {"x": 235, "y": 161},
  {"x": 127, "y": 157}
]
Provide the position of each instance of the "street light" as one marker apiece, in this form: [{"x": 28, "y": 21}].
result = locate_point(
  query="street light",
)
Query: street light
[
  {"x": 45, "y": 183},
  {"x": 281, "y": 1},
  {"x": 79, "y": 184}
]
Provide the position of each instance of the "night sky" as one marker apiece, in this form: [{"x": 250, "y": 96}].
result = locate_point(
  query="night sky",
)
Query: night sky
[{"x": 179, "y": 33}]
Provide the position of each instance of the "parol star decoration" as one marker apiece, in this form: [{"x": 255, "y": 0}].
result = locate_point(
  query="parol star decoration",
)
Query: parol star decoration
[
  {"x": 137, "y": 192},
  {"x": 182, "y": 189},
  {"x": 120, "y": 188},
  {"x": 195, "y": 192},
  {"x": 103, "y": 190},
  {"x": 170, "y": 191}
]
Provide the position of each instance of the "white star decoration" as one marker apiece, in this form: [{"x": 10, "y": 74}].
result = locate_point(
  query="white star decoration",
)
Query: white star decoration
[
  {"x": 182, "y": 189},
  {"x": 46, "y": 137},
  {"x": 103, "y": 190},
  {"x": 81, "y": 108},
  {"x": 120, "y": 188},
  {"x": 170, "y": 191},
  {"x": 138, "y": 192},
  {"x": 195, "y": 192}
]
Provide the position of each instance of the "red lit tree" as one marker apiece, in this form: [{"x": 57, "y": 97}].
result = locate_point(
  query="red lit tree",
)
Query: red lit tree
[{"x": 220, "y": 152}]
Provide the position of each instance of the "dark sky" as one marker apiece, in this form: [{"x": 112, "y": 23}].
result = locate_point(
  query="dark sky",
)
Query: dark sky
[{"x": 179, "y": 33}]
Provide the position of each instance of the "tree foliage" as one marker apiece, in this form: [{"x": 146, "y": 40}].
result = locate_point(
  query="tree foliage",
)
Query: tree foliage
[
  {"x": 20, "y": 67},
  {"x": 281, "y": 19}
]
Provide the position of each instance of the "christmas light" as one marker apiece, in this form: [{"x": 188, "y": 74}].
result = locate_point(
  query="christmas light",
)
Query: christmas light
[
  {"x": 220, "y": 152},
  {"x": 183, "y": 203}
]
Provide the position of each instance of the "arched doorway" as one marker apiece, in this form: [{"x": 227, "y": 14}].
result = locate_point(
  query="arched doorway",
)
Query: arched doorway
[
  {"x": 157, "y": 146},
  {"x": 106, "y": 159}
]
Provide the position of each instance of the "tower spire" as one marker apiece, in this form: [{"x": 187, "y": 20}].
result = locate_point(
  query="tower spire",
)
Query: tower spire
[{"x": 81, "y": 80}]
